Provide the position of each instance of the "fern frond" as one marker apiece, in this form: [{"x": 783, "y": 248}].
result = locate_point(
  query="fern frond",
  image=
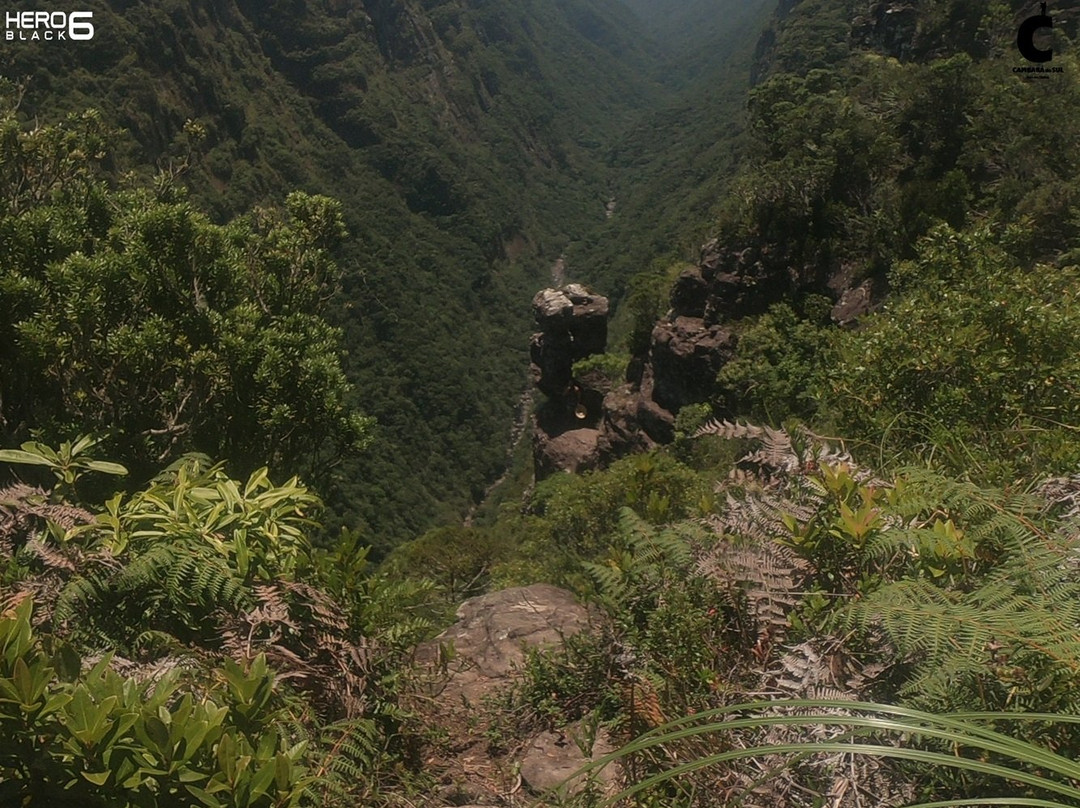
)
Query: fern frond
[
  {"x": 307, "y": 640},
  {"x": 345, "y": 763},
  {"x": 769, "y": 575},
  {"x": 642, "y": 552},
  {"x": 953, "y": 635},
  {"x": 729, "y": 431},
  {"x": 78, "y": 598}
]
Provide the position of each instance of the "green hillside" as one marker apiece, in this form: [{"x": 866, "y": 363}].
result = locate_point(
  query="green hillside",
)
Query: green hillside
[
  {"x": 694, "y": 33},
  {"x": 825, "y": 551},
  {"x": 464, "y": 144},
  {"x": 672, "y": 168},
  {"x": 909, "y": 155}
]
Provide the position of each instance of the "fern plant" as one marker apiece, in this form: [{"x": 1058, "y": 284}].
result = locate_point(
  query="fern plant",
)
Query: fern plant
[
  {"x": 1002, "y": 636},
  {"x": 640, "y": 556},
  {"x": 944, "y": 596}
]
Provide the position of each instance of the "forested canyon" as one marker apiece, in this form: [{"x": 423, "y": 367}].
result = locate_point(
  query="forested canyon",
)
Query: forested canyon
[{"x": 539, "y": 402}]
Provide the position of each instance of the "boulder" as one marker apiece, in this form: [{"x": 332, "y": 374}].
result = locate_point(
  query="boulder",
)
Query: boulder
[
  {"x": 491, "y": 633},
  {"x": 552, "y": 757},
  {"x": 690, "y": 293},
  {"x": 572, "y": 451},
  {"x": 656, "y": 422}
]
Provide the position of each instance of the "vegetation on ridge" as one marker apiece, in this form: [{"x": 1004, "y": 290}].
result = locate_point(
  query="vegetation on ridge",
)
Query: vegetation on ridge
[
  {"x": 902, "y": 594},
  {"x": 465, "y": 144}
]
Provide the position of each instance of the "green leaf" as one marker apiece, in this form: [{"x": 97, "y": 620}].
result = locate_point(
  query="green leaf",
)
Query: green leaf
[
  {"x": 42, "y": 450},
  {"x": 204, "y": 797},
  {"x": 267, "y": 744},
  {"x": 282, "y": 772},
  {"x": 263, "y": 778},
  {"x": 26, "y": 684},
  {"x": 67, "y": 663},
  {"x": 105, "y": 467},
  {"x": 158, "y": 733},
  {"x": 226, "y": 758},
  {"x": 83, "y": 443},
  {"x": 28, "y": 458},
  {"x": 54, "y": 703}
]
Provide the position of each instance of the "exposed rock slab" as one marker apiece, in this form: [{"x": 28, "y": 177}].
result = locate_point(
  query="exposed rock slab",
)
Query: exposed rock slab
[
  {"x": 552, "y": 757},
  {"x": 490, "y": 638},
  {"x": 493, "y": 630}
]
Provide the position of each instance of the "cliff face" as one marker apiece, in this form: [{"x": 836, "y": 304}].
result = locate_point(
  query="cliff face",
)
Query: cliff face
[
  {"x": 587, "y": 419},
  {"x": 872, "y": 122}
]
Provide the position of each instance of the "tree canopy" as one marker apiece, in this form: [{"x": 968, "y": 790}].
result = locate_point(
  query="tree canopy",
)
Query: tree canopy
[{"x": 127, "y": 312}]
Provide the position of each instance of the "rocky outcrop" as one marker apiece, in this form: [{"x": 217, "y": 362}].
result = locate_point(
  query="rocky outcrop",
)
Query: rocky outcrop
[
  {"x": 685, "y": 358},
  {"x": 588, "y": 420},
  {"x": 633, "y": 423},
  {"x": 729, "y": 284},
  {"x": 573, "y": 451},
  {"x": 853, "y": 304},
  {"x": 572, "y": 325},
  {"x": 468, "y": 666},
  {"x": 489, "y": 638}
]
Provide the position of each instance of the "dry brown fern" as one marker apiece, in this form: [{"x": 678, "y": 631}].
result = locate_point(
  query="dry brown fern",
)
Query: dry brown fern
[
  {"x": 307, "y": 640},
  {"x": 641, "y": 702},
  {"x": 775, "y": 483},
  {"x": 779, "y": 451},
  {"x": 25, "y": 516},
  {"x": 769, "y": 487},
  {"x": 768, "y": 575},
  {"x": 821, "y": 668},
  {"x": 25, "y": 511}
]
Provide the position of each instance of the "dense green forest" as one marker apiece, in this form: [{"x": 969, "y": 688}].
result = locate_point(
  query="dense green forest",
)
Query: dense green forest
[
  {"x": 463, "y": 144},
  {"x": 265, "y": 331}
]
